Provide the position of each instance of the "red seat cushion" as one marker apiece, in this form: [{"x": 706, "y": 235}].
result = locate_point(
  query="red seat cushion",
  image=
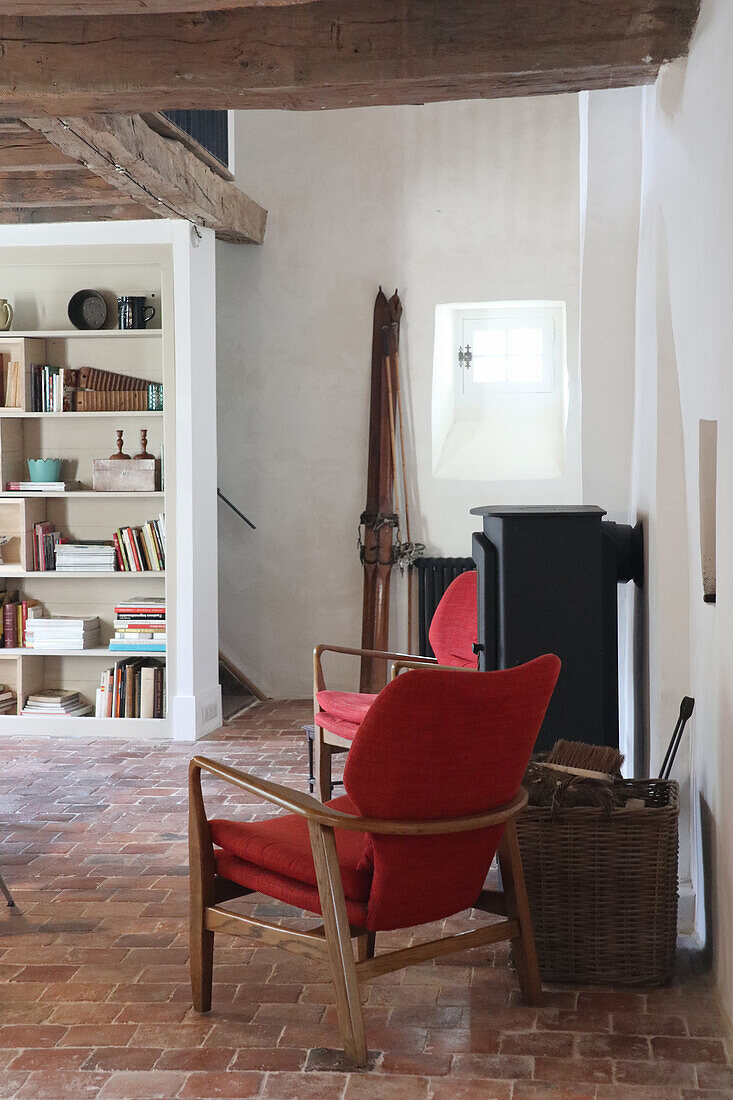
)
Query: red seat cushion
[
  {"x": 281, "y": 888},
  {"x": 352, "y": 706},
  {"x": 281, "y": 845},
  {"x": 338, "y": 726}
]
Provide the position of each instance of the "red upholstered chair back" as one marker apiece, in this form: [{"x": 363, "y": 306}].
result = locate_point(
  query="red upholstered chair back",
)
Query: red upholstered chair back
[
  {"x": 439, "y": 744},
  {"x": 454, "y": 627}
]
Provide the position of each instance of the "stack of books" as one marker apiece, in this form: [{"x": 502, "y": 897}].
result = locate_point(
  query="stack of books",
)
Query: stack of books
[
  {"x": 133, "y": 688},
  {"x": 36, "y": 486},
  {"x": 62, "y": 633},
  {"x": 16, "y": 615},
  {"x": 45, "y": 541},
  {"x": 56, "y": 702},
  {"x": 83, "y": 557},
  {"x": 141, "y": 549},
  {"x": 8, "y": 700},
  {"x": 140, "y": 626}
]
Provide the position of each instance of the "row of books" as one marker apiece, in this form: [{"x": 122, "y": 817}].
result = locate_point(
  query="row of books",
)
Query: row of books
[
  {"x": 141, "y": 549},
  {"x": 45, "y": 540},
  {"x": 60, "y": 389},
  {"x": 132, "y": 688},
  {"x": 131, "y": 550},
  {"x": 52, "y": 389},
  {"x": 140, "y": 626},
  {"x": 15, "y": 618}
]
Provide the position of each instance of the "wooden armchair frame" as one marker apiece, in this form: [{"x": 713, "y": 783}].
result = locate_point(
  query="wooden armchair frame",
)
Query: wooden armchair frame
[
  {"x": 327, "y": 743},
  {"x": 331, "y": 940}
]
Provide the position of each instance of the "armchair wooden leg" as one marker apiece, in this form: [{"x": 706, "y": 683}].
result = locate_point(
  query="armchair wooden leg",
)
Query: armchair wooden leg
[
  {"x": 338, "y": 938},
  {"x": 365, "y": 946},
  {"x": 201, "y": 894},
  {"x": 517, "y": 906},
  {"x": 324, "y": 753},
  {"x": 201, "y": 963}
]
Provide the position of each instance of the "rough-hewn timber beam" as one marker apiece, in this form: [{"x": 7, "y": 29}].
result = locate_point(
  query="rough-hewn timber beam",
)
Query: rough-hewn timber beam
[
  {"x": 336, "y": 53},
  {"x": 132, "y": 7},
  {"x": 75, "y": 212},
  {"x": 155, "y": 172},
  {"x": 57, "y": 189},
  {"x": 31, "y": 152}
]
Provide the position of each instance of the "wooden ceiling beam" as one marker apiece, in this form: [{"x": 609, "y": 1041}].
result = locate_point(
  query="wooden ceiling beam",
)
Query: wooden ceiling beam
[
  {"x": 75, "y": 212},
  {"x": 31, "y": 152},
  {"x": 159, "y": 174},
  {"x": 335, "y": 53},
  {"x": 57, "y": 189},
  {"x": 133, "y": 7}
]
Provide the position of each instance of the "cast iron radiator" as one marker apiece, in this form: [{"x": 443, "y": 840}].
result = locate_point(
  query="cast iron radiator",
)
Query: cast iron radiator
[{"x": 433, "y": 577}]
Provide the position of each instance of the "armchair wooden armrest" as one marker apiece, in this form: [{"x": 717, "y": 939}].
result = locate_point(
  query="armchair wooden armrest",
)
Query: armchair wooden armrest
[
  {"x": 296, "y": 802},
  {"x": 400, "y": 665},
  {"x": 319, "y": 683}
]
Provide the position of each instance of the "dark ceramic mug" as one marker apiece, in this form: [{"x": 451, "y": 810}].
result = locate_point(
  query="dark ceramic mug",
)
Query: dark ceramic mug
[{"x": 132, "y": 312}]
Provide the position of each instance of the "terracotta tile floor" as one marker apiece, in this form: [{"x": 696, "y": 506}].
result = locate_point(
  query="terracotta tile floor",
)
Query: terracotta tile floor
[{"x": 95, "y": 1000}]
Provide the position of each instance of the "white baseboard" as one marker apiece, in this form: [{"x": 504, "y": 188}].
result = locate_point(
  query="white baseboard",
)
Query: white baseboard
[{"x": 195, "y": 716}]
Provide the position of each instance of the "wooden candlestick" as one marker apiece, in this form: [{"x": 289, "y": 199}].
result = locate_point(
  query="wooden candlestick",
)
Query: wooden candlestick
[
  {"x": 120, "y": 453},
  {"x": 144, "y": 444}
]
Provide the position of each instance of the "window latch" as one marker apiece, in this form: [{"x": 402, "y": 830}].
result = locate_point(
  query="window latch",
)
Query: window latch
[{"x": 465, "y": 355}]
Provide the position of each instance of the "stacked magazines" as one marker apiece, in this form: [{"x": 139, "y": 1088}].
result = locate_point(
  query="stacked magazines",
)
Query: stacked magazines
[
  {"x": 85, "y": 557},
  {"x": 64, "y": 633},
  {"x": 134, "y": 688},
  {"x": 56, "y": 702},
  {"x": 140, "y": 626}
]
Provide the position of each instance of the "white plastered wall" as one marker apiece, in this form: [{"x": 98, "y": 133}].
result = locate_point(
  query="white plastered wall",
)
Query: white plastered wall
[
  {"x": 685, "y": 289},
  {"x": 475, "y": 201}
]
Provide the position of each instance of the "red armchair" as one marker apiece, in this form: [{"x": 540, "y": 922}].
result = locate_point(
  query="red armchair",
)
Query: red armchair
[
  {"x": 397, "y": 850},
  {"x": 338, "y": 714}
]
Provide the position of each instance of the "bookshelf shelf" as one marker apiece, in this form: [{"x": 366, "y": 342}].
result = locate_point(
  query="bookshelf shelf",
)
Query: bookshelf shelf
[
  {"x": 27, "y": 651},
  {"x": 88, "y": 575},
  {"x": 20, "y": 414},
  {"x": 99, "y": 651},
  {"x": 84, "y": 494},
  {"x": 83, "y": 334}
]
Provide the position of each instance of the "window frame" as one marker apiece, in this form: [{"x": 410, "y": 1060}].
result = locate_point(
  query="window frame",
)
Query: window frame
[{"x": 549, "y": 316}]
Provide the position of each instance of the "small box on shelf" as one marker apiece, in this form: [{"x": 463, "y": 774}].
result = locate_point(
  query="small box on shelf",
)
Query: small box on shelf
[
  {"x": 120, "y": 473},
  {"x": 131, "y": 475}
]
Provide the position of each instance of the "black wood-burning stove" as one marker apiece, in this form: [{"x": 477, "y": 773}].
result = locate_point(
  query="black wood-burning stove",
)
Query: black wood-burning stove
[{"x": 547, "y": 584}]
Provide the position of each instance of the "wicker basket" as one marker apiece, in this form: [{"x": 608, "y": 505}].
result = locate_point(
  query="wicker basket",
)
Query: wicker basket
[{"x": 603, "y": 888}]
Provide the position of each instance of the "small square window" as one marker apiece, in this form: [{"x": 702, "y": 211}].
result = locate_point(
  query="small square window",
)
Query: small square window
[{"x": 509, "y": 348}]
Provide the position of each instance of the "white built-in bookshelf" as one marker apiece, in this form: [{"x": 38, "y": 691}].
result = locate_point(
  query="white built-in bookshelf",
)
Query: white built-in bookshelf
[{"x": 40, "y": 269}]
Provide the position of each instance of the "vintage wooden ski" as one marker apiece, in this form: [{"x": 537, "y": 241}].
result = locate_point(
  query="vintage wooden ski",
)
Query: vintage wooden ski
[{"x": 378, "y": 519}]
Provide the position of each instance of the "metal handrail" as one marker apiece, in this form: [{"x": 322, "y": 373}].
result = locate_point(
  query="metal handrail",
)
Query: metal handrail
[{"x": 235, "y": 509}]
